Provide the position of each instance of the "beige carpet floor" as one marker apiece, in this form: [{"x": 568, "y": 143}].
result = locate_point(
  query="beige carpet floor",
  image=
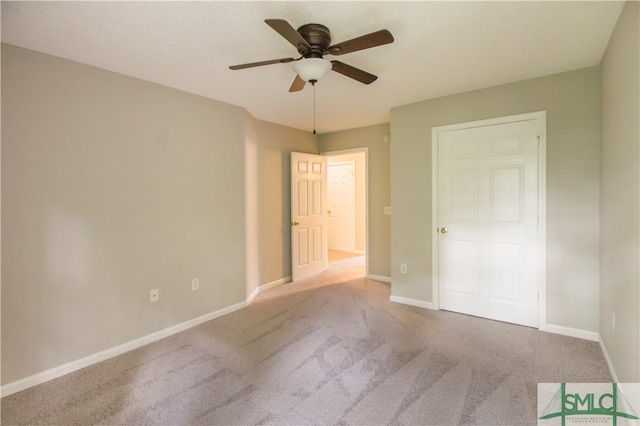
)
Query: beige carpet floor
[{"x": 329, "y": 350}]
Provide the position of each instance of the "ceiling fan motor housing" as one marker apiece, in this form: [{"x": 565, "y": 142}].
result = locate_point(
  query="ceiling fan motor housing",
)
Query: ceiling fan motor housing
[{"x": 318, "y": 37}]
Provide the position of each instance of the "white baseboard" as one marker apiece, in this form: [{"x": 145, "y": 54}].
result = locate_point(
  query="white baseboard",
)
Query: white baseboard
[
  {"x": 571, "y": 332},
  {"x": 267, "y": 286},
  {"x": 45, "y": 376},
  {"x": 551, "y": 328},
  {"x": 379, "y": 278},
  {"x": 412, "y": 302},
  {"x": 612, "y": 370}
]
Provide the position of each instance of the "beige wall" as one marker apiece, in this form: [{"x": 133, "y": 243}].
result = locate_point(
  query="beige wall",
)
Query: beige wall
[
  {"x": 111, "y": 186},
  {"x": 620, "y": 197},
  {"x": 572, "y": 102},
  {"x": 371, "y": 137},
  {"x": 273, "y": 145}
]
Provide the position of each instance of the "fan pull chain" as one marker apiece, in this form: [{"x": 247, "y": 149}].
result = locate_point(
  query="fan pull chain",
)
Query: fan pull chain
[{"x": 314, "y": 106}]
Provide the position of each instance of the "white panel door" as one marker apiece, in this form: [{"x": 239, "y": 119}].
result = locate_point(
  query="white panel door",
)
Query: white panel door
[
  {"x": 342, "y": 206},
  {"x": 488, "y": 218},
  {"x": 309, "y": 250}
]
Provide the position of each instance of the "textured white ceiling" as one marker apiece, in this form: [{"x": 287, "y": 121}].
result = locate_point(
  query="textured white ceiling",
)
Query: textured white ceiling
[{"x": 440, "y": 48}]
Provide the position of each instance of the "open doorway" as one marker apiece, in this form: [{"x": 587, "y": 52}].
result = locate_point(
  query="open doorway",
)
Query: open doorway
[{"x": 347, "y": 207}]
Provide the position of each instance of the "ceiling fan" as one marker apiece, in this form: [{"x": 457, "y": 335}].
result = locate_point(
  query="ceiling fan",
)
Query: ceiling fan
[{"x": 313, "y": 41}]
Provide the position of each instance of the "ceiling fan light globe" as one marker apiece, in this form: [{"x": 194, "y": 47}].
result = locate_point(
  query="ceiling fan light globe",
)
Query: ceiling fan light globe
[{"x": 312, "y": 68}]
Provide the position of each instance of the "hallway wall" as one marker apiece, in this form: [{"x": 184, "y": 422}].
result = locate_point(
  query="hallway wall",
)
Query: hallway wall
[{"x": 360, "y": 234}]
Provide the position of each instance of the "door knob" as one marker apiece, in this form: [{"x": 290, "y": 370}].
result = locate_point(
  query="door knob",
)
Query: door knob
[
  {"x": 296, "y": 223},
  {"x": 443, "y": 230}
]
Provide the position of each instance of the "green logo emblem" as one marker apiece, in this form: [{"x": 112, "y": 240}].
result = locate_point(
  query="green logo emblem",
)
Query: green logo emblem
[{"x": 611, "y": 403}]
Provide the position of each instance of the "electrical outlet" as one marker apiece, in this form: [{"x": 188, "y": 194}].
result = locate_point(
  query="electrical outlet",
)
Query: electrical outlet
[
  {"x": 613, "y": 321},
  {"x": 195, "y": 284},
  {"x": 154, "y": 295},
  {"x": 403, "y": 268}
]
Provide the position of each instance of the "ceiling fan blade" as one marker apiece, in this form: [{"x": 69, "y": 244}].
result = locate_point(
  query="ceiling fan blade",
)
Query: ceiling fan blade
[
  {"x": 259, "y": 64},
  {"x": 298, "y": 84},
  {"x": 377, "y": 38},
  {"x": 353, "y": 72},
  {"x": 285, "y": 29}
]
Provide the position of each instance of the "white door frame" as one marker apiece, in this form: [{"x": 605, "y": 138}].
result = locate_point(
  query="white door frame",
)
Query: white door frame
[
  {"x": 541, "y": 116},
  {"x": 365, "y": 151}
]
